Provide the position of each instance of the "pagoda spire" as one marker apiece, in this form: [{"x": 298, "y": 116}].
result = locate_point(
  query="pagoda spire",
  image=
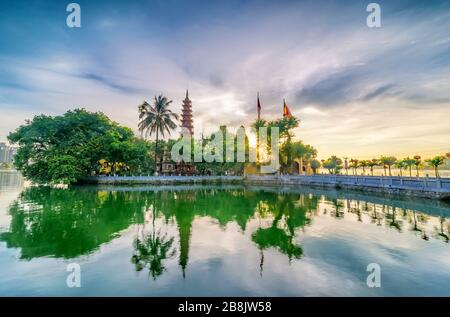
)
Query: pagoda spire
[{"x": 187, "y": 125}]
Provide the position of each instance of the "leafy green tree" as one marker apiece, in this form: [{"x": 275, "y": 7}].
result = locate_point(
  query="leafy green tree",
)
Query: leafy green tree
[
  {"x": 435, "y": 162},
  {"x": 285, "y": 126},
  {"x": 156, "y": 118},
  {"x": 296, "y": 150},
  {"x": 333, "y": 164},
  {"x": 315, "y": 165},
  {"x": 64, "y": 149}
]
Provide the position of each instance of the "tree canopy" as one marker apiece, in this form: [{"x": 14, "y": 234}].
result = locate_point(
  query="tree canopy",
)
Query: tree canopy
[{"x": 66, "y": 148}]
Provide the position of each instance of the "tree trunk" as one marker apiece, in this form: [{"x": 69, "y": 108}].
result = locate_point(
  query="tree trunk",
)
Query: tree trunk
[
  {"x": 156, "y": 151},
  {"x": 257, "y": 146},
  {"x": 390, "y": 174}
]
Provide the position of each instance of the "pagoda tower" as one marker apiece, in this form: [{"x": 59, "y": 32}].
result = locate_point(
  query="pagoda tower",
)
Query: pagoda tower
[{"x": 187, "y": 125}]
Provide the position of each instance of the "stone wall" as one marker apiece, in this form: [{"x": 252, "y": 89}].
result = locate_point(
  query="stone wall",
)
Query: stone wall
[{"x": 421, "y": 187}]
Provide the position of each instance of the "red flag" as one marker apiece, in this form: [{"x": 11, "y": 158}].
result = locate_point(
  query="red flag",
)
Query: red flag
[
  {"x": 286, "y": 111},
  {"x": 258, "y": 106}
]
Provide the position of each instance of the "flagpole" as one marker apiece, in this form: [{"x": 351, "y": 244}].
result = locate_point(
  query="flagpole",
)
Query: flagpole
[{"x": 258, "y": 106}]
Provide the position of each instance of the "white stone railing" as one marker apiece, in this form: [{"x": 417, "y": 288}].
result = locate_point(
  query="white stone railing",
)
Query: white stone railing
[{"x": 413, "y": 183}]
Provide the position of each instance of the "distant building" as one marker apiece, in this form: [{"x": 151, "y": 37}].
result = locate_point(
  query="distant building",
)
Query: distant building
[
  {"x": 7, "y": 153},
  {"x": 3, "y": 148}
]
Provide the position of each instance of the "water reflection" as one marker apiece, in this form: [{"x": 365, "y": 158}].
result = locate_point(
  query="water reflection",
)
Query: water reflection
[
  {"x": 68, "y": 223},
  {"x": 10, "y": 180}
]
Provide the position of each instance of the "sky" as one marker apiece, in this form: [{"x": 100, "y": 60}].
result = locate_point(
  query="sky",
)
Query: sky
[{"x": 358, "y": 91}]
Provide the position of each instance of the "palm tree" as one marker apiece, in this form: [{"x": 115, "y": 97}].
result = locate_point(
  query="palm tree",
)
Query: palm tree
[
  {"x": 435, "y": 162},
  {"x": 156, "y": 118},
  {"x": 354, "y": 165},
  {"x": 372, "y": 163},
  {"x": 400, "y": 165},
  {"x": 417, "y": 162},
  {"x": 408, "y": 163},
  {"x": 387, "y": 162},
  {"x": 364, "y": 164}
]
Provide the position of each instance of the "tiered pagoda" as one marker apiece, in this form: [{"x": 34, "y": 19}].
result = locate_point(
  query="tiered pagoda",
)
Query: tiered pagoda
[
  {"x": 187, "y": 130},
  {"x": 187, "y": 124}
]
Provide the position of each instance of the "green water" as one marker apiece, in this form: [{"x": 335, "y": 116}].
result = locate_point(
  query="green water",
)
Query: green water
[{"x": 219, "y": 240}]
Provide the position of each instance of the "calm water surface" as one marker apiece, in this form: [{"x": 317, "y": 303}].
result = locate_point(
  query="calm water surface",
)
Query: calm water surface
[{"x": 227, "y": 240}]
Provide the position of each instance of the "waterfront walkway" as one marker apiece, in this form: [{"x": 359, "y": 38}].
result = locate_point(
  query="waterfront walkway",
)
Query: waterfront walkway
[{"x": 416, "y": 186}]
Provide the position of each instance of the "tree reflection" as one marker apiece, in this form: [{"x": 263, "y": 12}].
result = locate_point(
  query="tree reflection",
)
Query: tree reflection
[
  {"x": 392, "y": 220},
  {"x": 67, "y": 223},
  {"x": 293, "y": 214},
  {"x": 441, "y": 233},
  {"x": 150, "y": 251}
]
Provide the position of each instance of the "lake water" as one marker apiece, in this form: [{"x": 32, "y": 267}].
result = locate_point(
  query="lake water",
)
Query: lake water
[{"x": 219, "y": 240}]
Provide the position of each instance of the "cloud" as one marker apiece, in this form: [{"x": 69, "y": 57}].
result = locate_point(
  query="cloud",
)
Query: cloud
[
  {"x": 109, "y": 83},
  {"x": 333, "y": 90},
  {"x": 380, "y": 91},
  {"x": 322, "y": 58}
]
